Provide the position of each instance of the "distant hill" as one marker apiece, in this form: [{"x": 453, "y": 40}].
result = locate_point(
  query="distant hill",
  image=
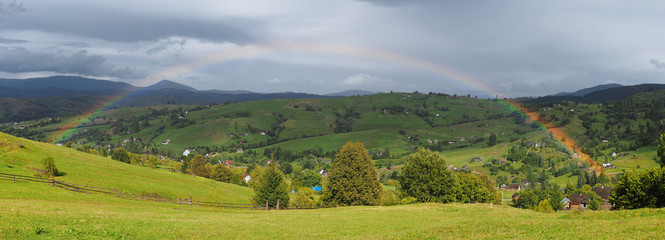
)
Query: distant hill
[
  {"x": 586, "y": 91},
  {"x": 59, "y": 96},
  {"x": 166, "y": 84},
  {"x": 603, "y": 93},
  {"x": 350, "y": 93}
]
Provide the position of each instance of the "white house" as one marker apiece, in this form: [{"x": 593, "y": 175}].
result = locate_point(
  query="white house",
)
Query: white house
[
  {"x": 186, "y": 152},
  {"x": 247, "y": 178}
]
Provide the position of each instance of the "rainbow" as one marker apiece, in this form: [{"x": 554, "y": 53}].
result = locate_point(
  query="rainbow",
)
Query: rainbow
[{"x": 319, "y": 48}]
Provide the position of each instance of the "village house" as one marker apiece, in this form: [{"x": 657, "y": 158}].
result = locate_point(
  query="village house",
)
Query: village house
[
  {"x": 565, "y": 202},
  {"x": 514, "y": 186},
  {"x": 579, "y": 201},
  {"x": 247, "y": 178},
  {"x": 604, "y": 193},
  {"x": 323, "y": 173},
  {"x": 188, "y": 151},
  {"x": 476, "y": 159}
]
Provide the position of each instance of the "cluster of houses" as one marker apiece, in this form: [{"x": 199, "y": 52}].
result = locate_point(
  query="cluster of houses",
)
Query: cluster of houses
[
  {"x": 579, "y": 201},
  {"x": 576, "y": 201}
]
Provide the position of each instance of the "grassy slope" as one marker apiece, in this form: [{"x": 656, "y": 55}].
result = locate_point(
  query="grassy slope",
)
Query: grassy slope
[
  {"x": 101, "y": 217},
  {"x": 22, "y": 156}
]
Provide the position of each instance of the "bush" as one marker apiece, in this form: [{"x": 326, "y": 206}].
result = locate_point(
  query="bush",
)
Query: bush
[
  {"x": 49, "y": 167},
  {"x": 120, "y": 154},
  {"x": 544, "y": 206}
]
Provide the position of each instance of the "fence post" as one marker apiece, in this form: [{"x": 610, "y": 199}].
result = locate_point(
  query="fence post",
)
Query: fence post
[
  {"x": 266, "y": 205},
  {"x": 277, "y": 204},
  {"x": 223, "y": 204},
  {"x": 190, "y": 200},
  {"x": 14, "y": 177}
]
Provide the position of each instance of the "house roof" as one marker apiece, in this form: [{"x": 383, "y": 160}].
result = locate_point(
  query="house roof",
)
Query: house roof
[
  {"x": 579, "y": 198},
  {"x": 603, "y": 192},
  {"x": 565, "y": 201},
  {"x": 514, "y": 185}
]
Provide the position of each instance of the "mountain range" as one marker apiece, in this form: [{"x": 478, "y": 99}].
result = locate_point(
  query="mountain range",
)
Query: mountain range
[{"x": 26, "y": 99}]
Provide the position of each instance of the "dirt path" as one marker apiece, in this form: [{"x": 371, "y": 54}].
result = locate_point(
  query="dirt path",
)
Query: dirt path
[{"x": 561, "y": 136}]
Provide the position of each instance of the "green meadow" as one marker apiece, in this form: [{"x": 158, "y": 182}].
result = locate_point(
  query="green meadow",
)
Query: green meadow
[{"x": 31, "y": 210}]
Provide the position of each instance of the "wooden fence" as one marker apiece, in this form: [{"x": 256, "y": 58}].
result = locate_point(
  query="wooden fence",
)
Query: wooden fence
[{"x": 122, "y": 194}]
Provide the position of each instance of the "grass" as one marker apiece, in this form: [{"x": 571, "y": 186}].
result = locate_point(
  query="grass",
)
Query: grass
[
  {"x": 39, "y": 211},
  {"x": 80, "y": 216},
  {"x": 20, "y": 156}
]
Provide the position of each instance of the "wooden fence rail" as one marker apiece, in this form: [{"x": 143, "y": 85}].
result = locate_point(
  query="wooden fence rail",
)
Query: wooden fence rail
[{"x": 155, "y": 198}]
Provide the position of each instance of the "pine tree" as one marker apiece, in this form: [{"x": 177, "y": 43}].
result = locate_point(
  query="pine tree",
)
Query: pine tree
[
  {"x": 352, "y": 178},
  {"x": 272, "y": 188},
  {"x": 492, "y": 141}
]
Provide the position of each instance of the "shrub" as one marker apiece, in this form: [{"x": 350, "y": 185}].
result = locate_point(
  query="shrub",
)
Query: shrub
[
  {"x": 544, "y": 206},
  {"x": 49, "y": 167}
]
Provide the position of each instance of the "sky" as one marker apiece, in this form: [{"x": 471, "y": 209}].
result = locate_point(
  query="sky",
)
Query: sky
[{"x": 509, "y": 48}]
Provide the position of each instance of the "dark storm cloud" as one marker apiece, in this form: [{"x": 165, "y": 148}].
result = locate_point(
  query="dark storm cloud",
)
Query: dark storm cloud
[
  {"x": 656, "y": 63},
  {"x": 7, "y": 8},
  {"x": 117, "y": 27},
  {"x": 74, "y": 44},
  {"x": 18, "y": 59},
  {"x": 12, "y": 41}
]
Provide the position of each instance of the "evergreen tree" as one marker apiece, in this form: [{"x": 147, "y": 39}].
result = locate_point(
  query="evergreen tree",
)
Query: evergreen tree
[
  {"x": 426, "y": 177},
  {"x": 661, "y": 150},
  {"x": 352, "y": 178},
  {"x": 492, "y": 141},
  {"x": 271, "y": 188}
]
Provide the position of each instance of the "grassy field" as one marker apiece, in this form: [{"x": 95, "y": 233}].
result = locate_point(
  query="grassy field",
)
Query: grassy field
[
  {"x": 39, "y": 211},
  {"x": 20, "y": 156},
  {"x": 58, "y": 214}
]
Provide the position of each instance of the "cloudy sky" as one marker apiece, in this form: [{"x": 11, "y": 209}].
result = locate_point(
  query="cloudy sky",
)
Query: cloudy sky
[{"x": 510, "y": 48}]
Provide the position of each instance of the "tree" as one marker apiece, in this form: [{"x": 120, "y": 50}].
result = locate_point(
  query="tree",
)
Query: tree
[
  {"x": 639, "y": 189},
  {"x": 352, "y": 178},
  {"x": 272, "y": 188},
  {"x": 49, "y": 167},
  {"x": 471, "y": 189},
  {"x": 198, "y": 166},
  {"x": 544, "y": 206},
  {"x": 426, "y": 177},
  {"x": 661, "y": 150},
  {"x": 310, "y": 178},
  {"x": 221, "y": 173},
  {"x": 286, "y": 168},
  {"x": 120, "y": 154},
  {"x": 492, "y": 140},
  {"x": 304, "y": 197},
  {"x": 527, "y": 199}
]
